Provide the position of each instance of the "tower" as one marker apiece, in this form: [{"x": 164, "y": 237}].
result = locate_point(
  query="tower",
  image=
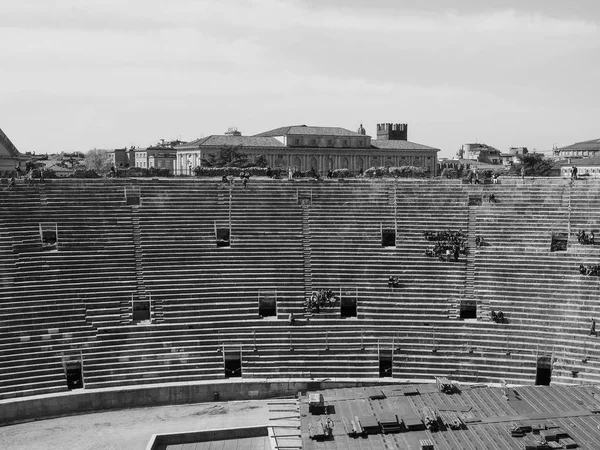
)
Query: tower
[{"x": 392, "y": 131}]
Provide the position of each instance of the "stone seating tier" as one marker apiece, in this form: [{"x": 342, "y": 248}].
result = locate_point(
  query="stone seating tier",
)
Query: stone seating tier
[{"x": 77, "y": 300}]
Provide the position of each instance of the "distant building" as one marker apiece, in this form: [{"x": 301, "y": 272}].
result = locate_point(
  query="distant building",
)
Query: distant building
[
  {"x": 123, "y": 158},
  {"x": 513, "y": 156},
  {"x": 480, "y": 152},
  {"x": 320, "y": 148},
  {"x": 584, "y": 149},
  {"x": 587, "y": 167},
  {"x": 10, "y": 157},
  {"x": 159, "y": 156}
]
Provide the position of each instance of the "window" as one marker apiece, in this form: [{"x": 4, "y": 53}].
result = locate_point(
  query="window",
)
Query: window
[
  {"x": 313, "y": 142},
  {"x": 296, "y": 141},
  {"x": 360, "y": 143},
  {"x": 345, "y": 143},
  {"x": 330, "y": 142}
]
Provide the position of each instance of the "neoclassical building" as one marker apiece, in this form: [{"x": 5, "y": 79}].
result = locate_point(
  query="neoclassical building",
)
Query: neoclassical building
[
  {"x": 322, "y": 148},
  {"x": 9, "y": 155},
  {"x": 584, "y": 149}
]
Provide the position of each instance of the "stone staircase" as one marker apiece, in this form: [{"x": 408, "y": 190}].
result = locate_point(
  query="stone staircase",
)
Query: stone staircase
[
  {"x": 7, "y": 259},
  {"x": 306, "y": 250},
  {"x": 156, "y": 307}
]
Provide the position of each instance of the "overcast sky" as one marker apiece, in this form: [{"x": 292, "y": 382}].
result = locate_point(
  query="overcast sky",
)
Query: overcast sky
[{"x": 84, "y": 74}]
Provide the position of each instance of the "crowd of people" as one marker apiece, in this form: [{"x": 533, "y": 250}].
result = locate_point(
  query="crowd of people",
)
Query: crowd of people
[
  {"x": 498, "y": 317},
  {"x": 322, "y": 298},
  {"x": 393, "y": 282},
  {"x": 29, "y": 174},
  {"x": 448, "y": 244},
  {"x": 592, "y": 269},
  {"x": 584, "y": 238}
]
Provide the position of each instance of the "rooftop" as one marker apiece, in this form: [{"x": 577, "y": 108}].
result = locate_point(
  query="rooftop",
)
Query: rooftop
[
  {"x": 592, "y": 144},
  {"x": 8, "y": 145},
  {"x": 310, "y": 130},
  {"x": 216, "y": 140},
  {"x": 399, "y": 145}
]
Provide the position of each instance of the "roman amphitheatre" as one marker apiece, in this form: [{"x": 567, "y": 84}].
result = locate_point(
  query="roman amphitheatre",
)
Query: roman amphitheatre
[{"x": 190, "y": 296}]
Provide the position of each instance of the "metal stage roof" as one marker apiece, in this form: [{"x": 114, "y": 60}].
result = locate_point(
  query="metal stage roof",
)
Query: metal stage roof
[{"x": 475, "y": 417}]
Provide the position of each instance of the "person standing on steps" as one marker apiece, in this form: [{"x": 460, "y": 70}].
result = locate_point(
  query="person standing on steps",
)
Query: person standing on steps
[
  {"x": 523, "y": 173},
  {"x": 593, "y": 331},
  {"x": 574, "y": 172}
]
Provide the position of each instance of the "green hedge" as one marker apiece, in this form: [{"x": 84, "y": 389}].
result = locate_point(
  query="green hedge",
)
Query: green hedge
[
  {"x": 342, "y": 173},
  {"x": 202, "y": 171},
  {"x": 396, "y": 172}
]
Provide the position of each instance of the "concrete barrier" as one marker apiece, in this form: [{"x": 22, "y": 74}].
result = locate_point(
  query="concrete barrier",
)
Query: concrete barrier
[{"x": 188, "y": 437}]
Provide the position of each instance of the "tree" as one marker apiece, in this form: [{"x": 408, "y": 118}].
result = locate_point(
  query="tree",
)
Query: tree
[
  {"x": 535, "y": 165},
  {"x": 449, "y": 173},
  {"x": 260, "y": 161},
  {"x": 228, "y": 156},
  {"x": 98, "y": 160}
]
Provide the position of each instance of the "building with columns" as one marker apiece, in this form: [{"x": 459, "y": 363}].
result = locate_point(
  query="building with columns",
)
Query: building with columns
[
  {"x": 584, "y": 149},
  {"x": 9, "y": 155},
  {"x": 321, "y": 148}
]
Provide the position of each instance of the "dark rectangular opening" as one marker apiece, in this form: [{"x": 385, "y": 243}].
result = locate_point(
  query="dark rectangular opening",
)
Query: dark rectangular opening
[
  {"x": 267, "y": 305},
  {"x": 474, "y": 200},
  {"x": 49, "y": 239},
  {"x": 233, "y": 366},
  {"x": 133, "y": 200},
  {"x": 385, "y": 364},
  {"x": 468, "y": 309},
  {"x": 141, "y": 311},
  {"x": 223, "y": 238},
  {"x": 348, "y": 307},
  {"x": 49, "y": 236},
  {"x": 73, "y": 375},
  {"x": 543, "y": 374},
  {"x": 388, "y": 238},
  {"x": 559, "y": 242}
]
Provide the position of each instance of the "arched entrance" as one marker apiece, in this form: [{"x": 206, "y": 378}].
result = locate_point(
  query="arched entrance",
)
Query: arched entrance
[{"x": 359, "y": 164}]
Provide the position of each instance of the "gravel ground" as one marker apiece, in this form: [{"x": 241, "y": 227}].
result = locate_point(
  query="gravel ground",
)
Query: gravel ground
[{"x": 130, "y": 429}]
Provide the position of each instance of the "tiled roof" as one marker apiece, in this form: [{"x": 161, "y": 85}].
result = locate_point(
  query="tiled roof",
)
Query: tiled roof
[
  {"x": 593, "y": 144},
  {"x": 244, "y": 141},
  {"x": 400, "y": 145},
  {"x": 309, "y": 130}
]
